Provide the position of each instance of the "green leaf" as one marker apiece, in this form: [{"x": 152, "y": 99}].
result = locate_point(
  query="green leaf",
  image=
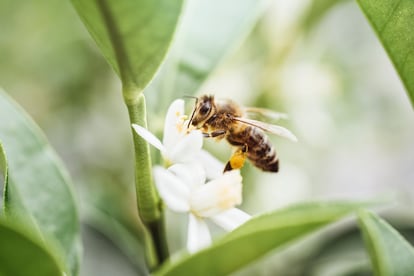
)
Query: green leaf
[
  {"x": 38, "y": 188},
  {"x": 208, "y": 32},
  {"x": 133, "y": 35},
  {"x": 23, "y": 254},
  {"x": 390, "y": 253},
  {"x": 257, "y": 237},
  {"x": 393, "y": 22}
]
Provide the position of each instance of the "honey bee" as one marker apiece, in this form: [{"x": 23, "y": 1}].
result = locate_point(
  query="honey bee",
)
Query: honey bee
[{"x": 226, "y": 119}]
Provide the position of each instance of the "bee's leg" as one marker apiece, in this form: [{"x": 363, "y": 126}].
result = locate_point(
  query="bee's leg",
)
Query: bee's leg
[
  {"x": 237, "y": 159},
  {"x": 214, "y": 134}
]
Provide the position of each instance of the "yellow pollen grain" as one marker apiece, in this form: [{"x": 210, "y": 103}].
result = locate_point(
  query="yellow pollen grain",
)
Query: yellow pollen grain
[
  {"x": 167, "y": 163},
  {"x": 197, "y": 214},
  {"x": 237, "y": 161},
  {"x": 180, "y": 123},
  {"x": 179, "y": 127}
]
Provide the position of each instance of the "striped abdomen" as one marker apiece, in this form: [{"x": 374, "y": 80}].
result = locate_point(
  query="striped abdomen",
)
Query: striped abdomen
[{"x": 259, "y": 150}]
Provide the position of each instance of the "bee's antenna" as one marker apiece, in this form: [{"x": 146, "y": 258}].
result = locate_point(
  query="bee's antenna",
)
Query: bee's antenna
[
  {"x": 194, "y": 110},
  {"x": 189, "y": 96}
]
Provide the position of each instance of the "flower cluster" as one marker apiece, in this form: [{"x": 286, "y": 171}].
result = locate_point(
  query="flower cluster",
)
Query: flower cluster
[{"x": 192, "y": 180}]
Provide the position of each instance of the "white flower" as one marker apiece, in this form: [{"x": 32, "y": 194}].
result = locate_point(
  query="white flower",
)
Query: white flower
[
  {"x": 183, "y": 185},
  {"x": 177, "y": 146},
  {"x": 183, "y": 189}
]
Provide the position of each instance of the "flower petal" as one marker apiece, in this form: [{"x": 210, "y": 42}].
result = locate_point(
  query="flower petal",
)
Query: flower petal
[
  {"x": 217, "y": 195},
  {"x": 212, "y": 166},
  {"x": 198, "y": 234},
  {"x": 173, "y": 120},
  {"x": 149, "y": 137},
  {"x": 187, "y": 148},
  {"x": 230, "y": 219},
  {"x": 173, "y": 190},
  {"x": 192, "y": 174}
]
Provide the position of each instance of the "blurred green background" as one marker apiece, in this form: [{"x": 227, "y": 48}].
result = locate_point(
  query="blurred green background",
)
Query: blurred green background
[{"x": 317, "y": 61}]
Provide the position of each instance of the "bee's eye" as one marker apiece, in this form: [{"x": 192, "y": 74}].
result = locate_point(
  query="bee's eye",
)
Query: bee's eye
[{"x": 205, "y": 109}]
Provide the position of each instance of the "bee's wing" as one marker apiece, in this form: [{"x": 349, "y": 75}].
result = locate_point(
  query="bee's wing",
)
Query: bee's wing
[
  {"x": 274, "y": 129},
  {"x": 265, "y": 113}
]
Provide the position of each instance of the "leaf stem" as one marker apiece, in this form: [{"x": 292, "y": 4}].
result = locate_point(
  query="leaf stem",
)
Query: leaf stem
[{"x": 148, "y": 201}]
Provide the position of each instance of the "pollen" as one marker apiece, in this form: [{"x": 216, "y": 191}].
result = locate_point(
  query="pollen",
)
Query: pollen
[
  {"x": 237, "y": 160},
  {"x": 179, "y": 127},
  {"x": 180, "y": 122},
  {"x": 167, "y": 162}
]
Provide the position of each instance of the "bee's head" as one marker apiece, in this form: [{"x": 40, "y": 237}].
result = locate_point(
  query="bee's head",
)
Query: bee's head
[{"x": 203, "y": 110}]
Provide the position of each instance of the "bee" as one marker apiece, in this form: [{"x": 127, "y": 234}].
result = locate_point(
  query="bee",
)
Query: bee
[{"x": 226, "y": 120}]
